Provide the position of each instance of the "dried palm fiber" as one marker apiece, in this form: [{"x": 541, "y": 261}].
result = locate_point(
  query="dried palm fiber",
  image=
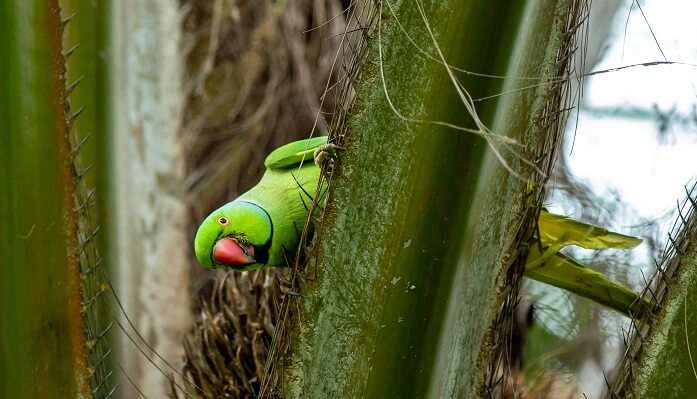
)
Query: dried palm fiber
[{"x": 226, "y": 353}]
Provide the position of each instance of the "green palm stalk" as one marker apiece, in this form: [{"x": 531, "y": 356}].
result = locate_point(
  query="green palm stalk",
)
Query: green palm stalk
[{"x": 52, "y": 338}]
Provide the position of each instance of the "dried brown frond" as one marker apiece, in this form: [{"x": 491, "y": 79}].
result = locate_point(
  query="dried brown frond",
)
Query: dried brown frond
[{"x": 226, "y": 352}]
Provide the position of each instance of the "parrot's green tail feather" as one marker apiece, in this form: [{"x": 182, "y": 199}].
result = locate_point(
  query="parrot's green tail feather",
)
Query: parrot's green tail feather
[
  {"x": 556, "y": 228},
  {"x": 293, "y": 153},
  {"x": 563, "y": 272}
]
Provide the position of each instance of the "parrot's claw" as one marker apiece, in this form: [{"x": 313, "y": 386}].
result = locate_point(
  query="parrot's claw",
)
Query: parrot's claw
[{"x": 325, "y": 155}]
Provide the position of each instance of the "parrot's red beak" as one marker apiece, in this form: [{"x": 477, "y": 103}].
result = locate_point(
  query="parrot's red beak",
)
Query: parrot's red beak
[{"x": 227, "y": 251}]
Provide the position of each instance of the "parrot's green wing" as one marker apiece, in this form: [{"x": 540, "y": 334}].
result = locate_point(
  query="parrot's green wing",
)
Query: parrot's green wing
[
  {"x": 557, "y": 229},
  {"x": 563, "y": 272},
  {"x": 294, "y": 153}
]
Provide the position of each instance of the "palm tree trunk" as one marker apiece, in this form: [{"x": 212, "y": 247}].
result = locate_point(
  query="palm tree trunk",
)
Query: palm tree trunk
[
  {"x": 47, "y": 296},
  {"x": 660, "y": 361},
  {"x": 411, "y": 286}
]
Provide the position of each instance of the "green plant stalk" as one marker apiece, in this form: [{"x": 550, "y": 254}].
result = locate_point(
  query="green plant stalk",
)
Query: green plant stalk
[
  {"x": 87, "y": 71},
  {"x": 403, "y": 289},
  {"x": 533, "y": 117},
  {"x": 42, "y": 347},
  {"x": 89, "y": 64},
  {"x": 665, "y": 364}
]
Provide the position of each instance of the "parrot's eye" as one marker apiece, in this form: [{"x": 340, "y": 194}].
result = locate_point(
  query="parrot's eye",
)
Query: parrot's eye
[{"x": 223, "y": 221}]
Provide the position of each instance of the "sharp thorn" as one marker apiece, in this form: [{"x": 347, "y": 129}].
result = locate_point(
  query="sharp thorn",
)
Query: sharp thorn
[
  {"x": 67, "y": 53},
  {"x": 90, "y": 237},
  {"x": 78, "y": 146},
  {"x": 693, "y": 201},
  {"x": 113, "y": 390},
  {"x": 67, "y": 20},
  {"x": 76, "y": 114},
  {"x": 101, "y": 383},
  {"x": 69, "y": 89},
  {"x": 83, "y": 172},
  {"x": 682, "y": 218},
  {"x": 91, "y": 269},
  {"x": 102, "y": 358},
  {"x": 674, "y": 243}
]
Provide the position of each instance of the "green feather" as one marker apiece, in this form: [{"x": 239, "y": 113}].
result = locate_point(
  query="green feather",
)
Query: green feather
[
  {"x": 294, "y": 153},
  {"x": 282, "y": 197}
]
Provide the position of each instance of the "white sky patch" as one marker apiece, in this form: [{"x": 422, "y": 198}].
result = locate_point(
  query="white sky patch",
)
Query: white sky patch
[{"x": 627, "y": 155}]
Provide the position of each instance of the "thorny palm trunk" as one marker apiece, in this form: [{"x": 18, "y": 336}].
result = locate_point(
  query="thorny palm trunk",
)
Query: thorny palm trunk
[
  {"x": 661, "y": 359},
  {"x": 412, "y": 285},
  {"x": 51, "y": 343}
]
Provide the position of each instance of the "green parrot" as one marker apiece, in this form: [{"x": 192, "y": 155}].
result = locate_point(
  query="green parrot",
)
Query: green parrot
[
  {"x": 261, "y": 225},
  {"x": 258, "y": 228}
]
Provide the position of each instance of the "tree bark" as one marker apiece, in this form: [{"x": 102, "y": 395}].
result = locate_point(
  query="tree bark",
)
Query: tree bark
[{"x": 411, "y": 286}]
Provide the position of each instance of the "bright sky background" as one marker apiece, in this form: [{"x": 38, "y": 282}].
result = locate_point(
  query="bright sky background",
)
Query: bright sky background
[{"x": 627, "y": 155}]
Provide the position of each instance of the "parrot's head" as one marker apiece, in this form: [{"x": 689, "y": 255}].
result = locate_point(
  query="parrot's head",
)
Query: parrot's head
[{"x": 236, "y": 236}]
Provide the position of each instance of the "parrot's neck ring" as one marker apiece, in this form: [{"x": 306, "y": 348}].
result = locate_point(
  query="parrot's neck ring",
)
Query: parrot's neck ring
[{"x": 262, "y": 251}]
